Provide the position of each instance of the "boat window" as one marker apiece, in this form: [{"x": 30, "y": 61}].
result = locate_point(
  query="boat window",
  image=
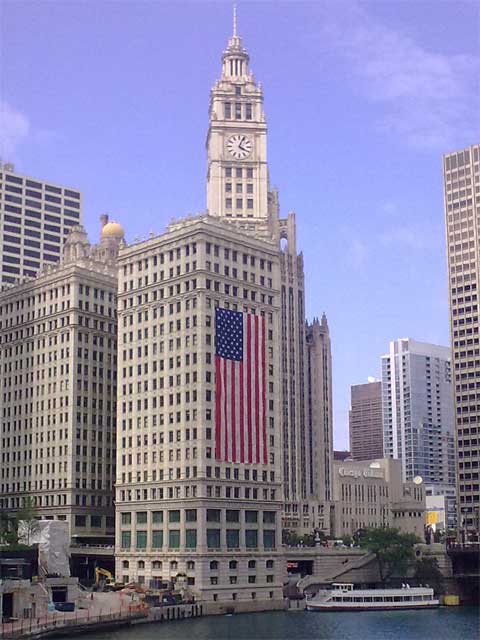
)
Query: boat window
[
  {"x": 358, "y": 599},
  {"x": 347, "y": 599},
  {"x": 368, "y": 599},
  {"x": 378, "y": 599},
  {"x": 398, "y": 598},
  {"x": 407, "y": 598},
  {"x": 417, "y": 598},
  {"x": 388, "y": 599}
]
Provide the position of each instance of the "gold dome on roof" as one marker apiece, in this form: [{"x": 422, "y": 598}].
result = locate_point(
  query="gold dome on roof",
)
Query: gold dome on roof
[{"x": 113, "y": 230}]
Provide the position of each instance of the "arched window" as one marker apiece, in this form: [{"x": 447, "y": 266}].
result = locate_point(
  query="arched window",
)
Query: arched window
[{"x": 213, "y": 565}]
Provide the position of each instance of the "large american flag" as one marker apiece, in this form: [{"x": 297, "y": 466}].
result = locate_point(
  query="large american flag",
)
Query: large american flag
[{"x": 240, "y": 386}]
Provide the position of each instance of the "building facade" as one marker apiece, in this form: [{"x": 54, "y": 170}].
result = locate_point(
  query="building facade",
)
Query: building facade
[
  {"x": 58, "y": 349},
  {"x": 35, "y": 219},
  {"x": 461, "y": 176},
  {"x": 180, "y": 507},
  {"x": 418, "y": 418},
  {"x": 366, "y": 421},
  {"x": 372, "y": 493}
]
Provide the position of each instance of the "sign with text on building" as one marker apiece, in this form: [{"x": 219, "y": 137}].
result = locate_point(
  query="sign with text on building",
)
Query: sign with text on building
[{"x": 360, "y": 473}]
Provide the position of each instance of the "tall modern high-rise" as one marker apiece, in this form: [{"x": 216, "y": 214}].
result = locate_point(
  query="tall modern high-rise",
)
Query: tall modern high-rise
[
  {"x": 58, "y": 349},
  {"x": 418, "y": 421},
  {"x": 366, "y": 421},
  {"x": 461, "y": 175},
  {"x": 35, "y": 219},
  {"x": 184, "y": 504}
]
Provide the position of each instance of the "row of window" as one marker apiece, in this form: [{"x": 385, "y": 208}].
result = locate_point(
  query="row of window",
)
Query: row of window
[
  {"x": 239, "y": 203},
  {"x": 238, "y": 111},
  {"x": 14, "y": 208},
  {"x": 189, "y": 491},
  {"x": 12, "y": 179},
  {"x": 190, "y": 515},
  {"x": 213, "y": 537},
  {"x": 190, "y": 564}
]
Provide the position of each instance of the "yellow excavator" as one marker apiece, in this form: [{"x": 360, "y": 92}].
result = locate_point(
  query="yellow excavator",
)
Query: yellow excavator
[{"x": 103, "y": 578}]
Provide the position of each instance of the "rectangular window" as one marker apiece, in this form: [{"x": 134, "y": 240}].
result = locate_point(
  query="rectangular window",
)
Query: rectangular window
[
  {"x": 191, "y": 538},
  {"x": 269, "y": 538},
  {"x": 239, "y": 203},
  {"x": 269, "y": 517},
  {"x": 142, "y": 517},
  {"x": 157, "y": 516},
  {"x": 227, "y": 110},
  {"x": 228, "y": 203},
  {"x": 233, "y": 515},
  {"x": 251, "y": 516},
  {"x": 213, "y": 538},
  {"x": 190, "y": 515},
  {"x": 233, "y": 539},
  {"x": 249, "y": 203},
  {"x": 96, "y": 521},
  {"x": 72, "y": 194},
  {"x": 251, "y": 538},
  {"x": 174, "y": 539},
  {"x": 213, "y": 515},
  {"x": 126, "y": 541},
  {"x": 80, "y": 521},
  {"x": 174, "y": 516},
  {"x": 157, "y": 539},
  {"x": 248, "y": 111},
  {"x": 141, "y": 539},
  {"x": 238, "y": 111}
]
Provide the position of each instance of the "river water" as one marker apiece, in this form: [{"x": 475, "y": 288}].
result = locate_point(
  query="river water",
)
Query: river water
[{"x": 460, "y": 623}]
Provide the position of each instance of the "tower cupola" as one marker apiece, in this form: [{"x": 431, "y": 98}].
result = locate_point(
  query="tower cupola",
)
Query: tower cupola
[{"x": 235, "y": 58}]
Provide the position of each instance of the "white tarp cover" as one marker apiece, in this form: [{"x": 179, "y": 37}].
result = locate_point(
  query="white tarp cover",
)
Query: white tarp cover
[{"x": 52, "y": 537}]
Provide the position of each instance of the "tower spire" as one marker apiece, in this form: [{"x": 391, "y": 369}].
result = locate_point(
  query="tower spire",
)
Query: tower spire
[{"x": 234, "y": 20}]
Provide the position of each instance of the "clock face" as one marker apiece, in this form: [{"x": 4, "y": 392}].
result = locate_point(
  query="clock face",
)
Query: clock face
[{"x": 239, "y": 146}]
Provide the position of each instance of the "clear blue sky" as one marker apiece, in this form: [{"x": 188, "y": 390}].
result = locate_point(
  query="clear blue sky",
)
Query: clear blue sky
[{"x": 362, "y": 100}]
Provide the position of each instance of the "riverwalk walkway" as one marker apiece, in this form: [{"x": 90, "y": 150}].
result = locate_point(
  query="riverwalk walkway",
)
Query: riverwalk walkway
[{"x": 81, "y": 621}]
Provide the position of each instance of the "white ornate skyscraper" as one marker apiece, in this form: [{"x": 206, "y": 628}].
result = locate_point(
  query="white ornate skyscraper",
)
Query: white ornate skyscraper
[
  {"x": 186, "y": 503},
  {"x": 238, "y": 190}
]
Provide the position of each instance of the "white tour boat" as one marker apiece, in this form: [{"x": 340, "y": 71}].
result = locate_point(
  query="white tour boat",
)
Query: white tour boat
[{"x": 343, "y": 597}]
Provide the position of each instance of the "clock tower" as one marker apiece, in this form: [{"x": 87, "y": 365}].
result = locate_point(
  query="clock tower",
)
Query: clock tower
[{"x": 237, "y": 177}]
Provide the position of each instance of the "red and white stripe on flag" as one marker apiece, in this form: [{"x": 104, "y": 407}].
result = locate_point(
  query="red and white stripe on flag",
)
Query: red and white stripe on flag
[{"x": 240, "y": 403}]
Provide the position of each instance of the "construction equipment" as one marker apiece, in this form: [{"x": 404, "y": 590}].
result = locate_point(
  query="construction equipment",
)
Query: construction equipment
[{"x": 108, "y": 581}]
